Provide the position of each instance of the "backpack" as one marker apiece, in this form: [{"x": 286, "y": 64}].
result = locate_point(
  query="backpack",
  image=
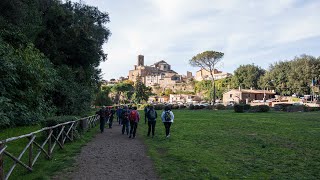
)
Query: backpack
[
  {"x": 126, "y": 115},
  {"x": 167, "y": 116},
  {"x": 133, "y": 115},
  {"x": 152, "y": 114}
]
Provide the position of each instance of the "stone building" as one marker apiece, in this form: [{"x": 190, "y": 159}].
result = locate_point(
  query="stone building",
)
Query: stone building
[
  {"x": 203, "y": 74},
  {"x": 157, "y": 74}
]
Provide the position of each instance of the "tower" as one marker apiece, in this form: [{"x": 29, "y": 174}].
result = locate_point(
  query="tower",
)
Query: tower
[{"x": 140, "y": 60}]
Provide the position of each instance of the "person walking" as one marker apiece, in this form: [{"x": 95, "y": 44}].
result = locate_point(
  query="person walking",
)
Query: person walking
[
  {"x": 146, "y": 109},
  {"x": 134, "y": 120},
  {"x": 152, "y": 117},
  {"x": 119, "y": 114},
  {"x": 167, "y": 117},
  {"x": 111, "y": 115},
  {"x": 102, "y": 114},
  {"x": 125, "y": 120}
]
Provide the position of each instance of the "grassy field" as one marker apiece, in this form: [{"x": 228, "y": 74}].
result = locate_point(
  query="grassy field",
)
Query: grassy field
[
  {"x": 227, "y": 145},
  {"x": 43, "y": 168}
]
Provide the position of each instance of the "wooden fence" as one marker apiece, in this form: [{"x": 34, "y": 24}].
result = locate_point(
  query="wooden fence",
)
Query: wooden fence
[{"x": 55, "y": 135}]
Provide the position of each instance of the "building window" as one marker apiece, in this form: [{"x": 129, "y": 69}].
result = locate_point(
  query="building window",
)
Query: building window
[{"x": 230, "y": 95}]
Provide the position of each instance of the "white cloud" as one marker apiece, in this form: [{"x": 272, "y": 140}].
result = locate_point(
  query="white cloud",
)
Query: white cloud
[{"x": 247, "y": 31}]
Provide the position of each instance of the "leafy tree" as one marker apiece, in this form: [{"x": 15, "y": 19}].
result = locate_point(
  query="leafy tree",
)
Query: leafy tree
[
  {"x": 207, "y": 60},
  {"x": 103, "y": 99},
  {"x": 141, "y": 92},
  {"x": 247, "y": 76},
  {"x": 123, "y": 91},
  {"x": 288, "y": 77}
]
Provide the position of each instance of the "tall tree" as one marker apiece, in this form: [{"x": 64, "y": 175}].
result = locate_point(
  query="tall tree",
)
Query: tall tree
[
  {"x": 207, "y": 60},
  {"x": 247, "y": 76},
  {"x": 141, "y": 92}
]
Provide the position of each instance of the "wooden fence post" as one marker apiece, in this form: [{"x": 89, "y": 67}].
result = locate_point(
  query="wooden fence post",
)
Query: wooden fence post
[
  {"x": 31, "y": 152},
  {"x": 49, "y": 143},
  {"x": 62, "y": 137},
  {"x": 1, "y": 163}
]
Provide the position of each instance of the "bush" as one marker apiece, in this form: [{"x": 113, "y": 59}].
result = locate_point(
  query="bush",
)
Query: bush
[
  {"x": 191, "y": 107},
  {"x": 299, "y": 108},
  {"x": 159, "y": 107},
  {"x": 52, "y": 121},
  {"x": 201, "y": 107},
  {"x": 308, "y": 109},
  {"x": 281, "y": 107},
  {"x": 196, "y": 107},
  {"x": 219, "y": 107},
  {"x": 259, "y": 108},
  {"x": 210, "y": 107},
  {"x": 238, "y": 108},
  {"x": 246, "y": 107},
  {"x": 175, "y": 106},
  {"x": 182, "y": 106}
]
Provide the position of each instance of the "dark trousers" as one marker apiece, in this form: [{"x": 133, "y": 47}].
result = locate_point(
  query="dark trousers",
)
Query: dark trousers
[
  {"x": 151, "y": 126},
  {"x": 145, "y": 118},
  {"x": 133, "y": 128},
  {"x": 125, "y": 126},
  {"x": 167, "y": 125},
  {"x": 110, "y": 121},
  {"x": 102, "y": 123}
]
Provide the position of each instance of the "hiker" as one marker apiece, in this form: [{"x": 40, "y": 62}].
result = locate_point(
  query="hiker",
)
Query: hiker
[
  {"x": 119, "y": 114},
  {"x": 112, "y": 112},
  {"x": 146, "y": 109},
  {"x": 167, "y": 117},
  {"x": 152, "y": 117},
  {"x": 134, "y": 118},
  {"x": 125, "y": 120},
  {"x": 102, "y": 114}
]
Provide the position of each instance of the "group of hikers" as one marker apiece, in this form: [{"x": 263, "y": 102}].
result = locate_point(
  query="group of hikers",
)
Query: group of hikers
[{"x": 128, "y": 117}]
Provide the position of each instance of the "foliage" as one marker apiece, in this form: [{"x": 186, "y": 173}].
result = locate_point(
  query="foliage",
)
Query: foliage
[
  {"x": 207, "y": 60},
  {"x": 289, "y": 77},
  {"x": 219, "y": 107},
  {"x": 238, "y": 108},
  {"x": 123, "y": 91},
  {"x": 241, "y": 145},
  {"x": 247, "y": 76},
  {"x": 49, "y": 57},
  {"x": 259, "y": 108},
  {"x": 141, "y": 92},
  {"x": 103, "y": 99},
  {"x": 26, "y": 78}
]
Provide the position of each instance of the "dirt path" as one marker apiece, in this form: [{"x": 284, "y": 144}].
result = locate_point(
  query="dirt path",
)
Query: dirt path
[{"x": 111, "y": 155}]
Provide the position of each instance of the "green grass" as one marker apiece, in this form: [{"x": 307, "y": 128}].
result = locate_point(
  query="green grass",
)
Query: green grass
[
  {"x": 227, "y": 145},
  {"x": 43, "y": 168}
]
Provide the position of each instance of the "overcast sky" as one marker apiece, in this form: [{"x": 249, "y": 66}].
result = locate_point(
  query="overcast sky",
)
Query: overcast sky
[{"x": 247, "y": 31}]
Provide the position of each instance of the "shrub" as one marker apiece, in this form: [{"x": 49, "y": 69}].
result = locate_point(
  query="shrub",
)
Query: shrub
[
  {"x": 175, "y": 106},
  {"x": 264, "y": 108},
  {"x": 246, "y": 107},
  {"x": 191, "y": 107},
  {"x": 52, "y": 121},
  {"x": 298, "y": 108},
  {"x": 238, "y": 108},
  {"x": 259, "y": 108},
  {"x": 281, "y": 107},
  {"x": 219, "y": 107},
  {"x": 182, "y": 106},
  {"x": 201, "y": 107},
  {"x": 196, "y": 107},
  {"x": 210, "y": 107},
  {"x": 159, "y": 107}
]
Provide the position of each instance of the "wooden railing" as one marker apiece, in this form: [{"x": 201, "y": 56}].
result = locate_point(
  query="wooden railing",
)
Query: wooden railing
[{"x": 55, "y": 135}]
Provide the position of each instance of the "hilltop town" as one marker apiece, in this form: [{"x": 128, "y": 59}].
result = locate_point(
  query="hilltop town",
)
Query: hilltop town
[{"x": 168, "y": 86}]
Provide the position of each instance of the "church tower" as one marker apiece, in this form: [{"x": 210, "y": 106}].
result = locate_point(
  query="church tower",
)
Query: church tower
[{"x": 140, "y": 60}]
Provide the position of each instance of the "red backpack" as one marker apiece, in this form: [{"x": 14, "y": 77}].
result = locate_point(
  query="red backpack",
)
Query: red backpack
[{"x": 133, "y": 115}]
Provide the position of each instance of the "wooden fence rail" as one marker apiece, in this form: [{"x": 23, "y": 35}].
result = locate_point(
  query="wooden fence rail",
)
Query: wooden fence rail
[{"x": 66, "y": 131}]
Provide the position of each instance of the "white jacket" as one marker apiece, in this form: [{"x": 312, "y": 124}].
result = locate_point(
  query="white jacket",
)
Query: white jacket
[{"x": 163, "y": 118}]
